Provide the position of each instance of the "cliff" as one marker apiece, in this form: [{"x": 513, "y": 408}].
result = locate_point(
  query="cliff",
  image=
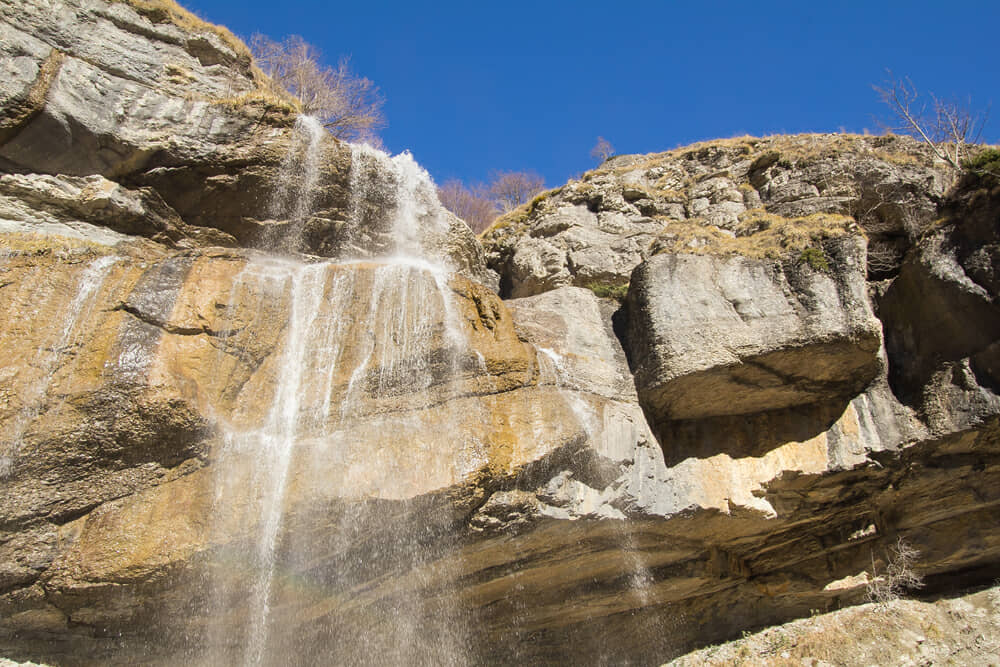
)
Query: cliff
[{"x": 264, "y": 400}]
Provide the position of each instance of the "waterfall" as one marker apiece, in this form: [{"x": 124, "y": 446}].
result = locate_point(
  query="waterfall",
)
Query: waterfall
[
  {"x": 298, "y": 178},
  {"x": 393, "y": 208},
  {"x": 553, "y": 370},
  {"x": 365, "y": 338}
]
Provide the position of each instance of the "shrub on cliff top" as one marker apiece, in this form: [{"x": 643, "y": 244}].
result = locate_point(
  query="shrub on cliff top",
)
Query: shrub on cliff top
[{"x": 985, "y": 163}]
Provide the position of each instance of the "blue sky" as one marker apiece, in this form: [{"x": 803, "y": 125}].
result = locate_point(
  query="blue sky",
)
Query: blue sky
[{"x": 473, "y": 87}]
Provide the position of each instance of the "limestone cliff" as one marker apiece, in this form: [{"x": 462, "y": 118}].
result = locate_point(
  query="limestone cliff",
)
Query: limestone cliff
[{"x": 261, "y": 402}]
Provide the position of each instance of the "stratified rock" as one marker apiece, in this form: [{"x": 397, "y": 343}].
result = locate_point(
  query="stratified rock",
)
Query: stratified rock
[
  {"x": 174, "y": 111},
  {"x": 31, "y": 202},
  {"x": 260, "y": 403},
  {"x": 115, "y": 86},
  {"x": 711, "y": 336}
]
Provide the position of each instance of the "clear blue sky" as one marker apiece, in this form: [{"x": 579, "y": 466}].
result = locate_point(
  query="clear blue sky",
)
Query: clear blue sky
[{"x": 472, "y": 87}]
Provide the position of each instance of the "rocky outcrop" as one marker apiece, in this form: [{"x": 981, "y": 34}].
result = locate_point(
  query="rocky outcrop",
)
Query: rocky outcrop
[
  {"x": 594, "y": 231},
  {"x": 711, "y": 336},
  {"x": 106, "y": 88},
  {"x": 960, "y": 629},
  {"x": 169, "y": 107},
  {"x": 751, "y": 332},
  {"x": 260, "y": 403},
  {"x": 942, "y": 317}
]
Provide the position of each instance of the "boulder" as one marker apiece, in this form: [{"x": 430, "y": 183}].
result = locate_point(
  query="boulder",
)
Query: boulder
[{"x": 711, "y": 336}]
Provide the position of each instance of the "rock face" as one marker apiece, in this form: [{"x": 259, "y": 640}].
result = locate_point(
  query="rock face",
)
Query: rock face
[
  {"x": 151, "y": 98},
  {"x": 260, "y": 401},
  {"x": 712, "y": 336},
  {"x": 594, "y": 231},
  {"x": 962, "y": 629},
  {"x": 942, "y": 312}
]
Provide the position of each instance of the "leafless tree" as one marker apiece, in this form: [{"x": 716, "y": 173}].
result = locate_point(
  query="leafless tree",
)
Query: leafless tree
[
  {"x": 602, "y": 150},
  {"x": 948, "y": 127},
  {"x": 510, "y": 189},
  {"x": 349, "y": 106},
  {"x": 473, "y": 205},
  {"x": 897, "y": 577}
]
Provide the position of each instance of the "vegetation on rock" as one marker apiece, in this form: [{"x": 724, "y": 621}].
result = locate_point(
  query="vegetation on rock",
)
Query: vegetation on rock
[
  {"x": 481, "y": 203},
  {"x": 758, "y": 235},
  {"x": 348, "y": 106},
  {"x": 815, "y": 258},
  {"x": 169, "y": 11},
  {"x": 608, "y": 290}
]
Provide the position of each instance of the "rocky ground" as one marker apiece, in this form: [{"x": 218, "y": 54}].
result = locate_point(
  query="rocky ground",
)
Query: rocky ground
[{"x": 960, "y": 631}]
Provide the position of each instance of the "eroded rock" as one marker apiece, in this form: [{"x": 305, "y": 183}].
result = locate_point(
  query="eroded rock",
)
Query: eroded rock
[
  {"x": 711, "y": 336},
  {"x": 225, "y": 455},
  {"x": 594, "y": 231}
]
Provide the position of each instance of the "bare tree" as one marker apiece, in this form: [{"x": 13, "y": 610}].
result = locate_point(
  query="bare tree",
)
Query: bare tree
[
  {"x": 510, "y": 189},
  {"x": 349, "y": 106},
  {"x": 473, "y": 205},
  {"x": 897, "y": 577},
  {"x": 947, "y": 127},
  {"x": 602, "y": 150}
]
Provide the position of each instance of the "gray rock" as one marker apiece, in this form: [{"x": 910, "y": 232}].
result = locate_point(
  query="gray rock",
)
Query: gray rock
[
  {"x": 86, "y": 204},
  {"x": 711, "y": 336},
  {"x": 580, "y": 353},
  {"x": 942, "y": 319},
  {"x": 890, "y": 185}
]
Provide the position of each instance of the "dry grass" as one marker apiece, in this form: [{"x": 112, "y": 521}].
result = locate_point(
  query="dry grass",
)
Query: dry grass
[
  {"x": 960, "y": 631},
  {"x": 794, "y": 148},
  {"x": 168, "y": 11},
  {"x": 516, "y": 219},
  {"x": 278, "y": 100},
  {"x": 759, "y": 235},
  {"x": 670, "y": 195},
  {"x": 18, "y": 243}
]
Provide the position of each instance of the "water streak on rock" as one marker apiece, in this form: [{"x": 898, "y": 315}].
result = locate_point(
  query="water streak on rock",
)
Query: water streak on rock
[{"x": 53, "y": 353}]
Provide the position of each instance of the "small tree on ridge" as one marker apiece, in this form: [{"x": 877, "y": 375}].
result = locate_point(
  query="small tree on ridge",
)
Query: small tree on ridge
[
  {"x": 349, "y": 106},
  {"x": 602, "y": 150},
  {"x": 510, "y": 189},
  {"x": 948, "y": 127}
]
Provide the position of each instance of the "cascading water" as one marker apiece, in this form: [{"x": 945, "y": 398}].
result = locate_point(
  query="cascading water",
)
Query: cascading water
[
  {"x": 394, "y": 199},
  {"x": 553, "y": 371},
  {"x": 362, "y": 338},
  {"x": 299, "y": 175}
]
